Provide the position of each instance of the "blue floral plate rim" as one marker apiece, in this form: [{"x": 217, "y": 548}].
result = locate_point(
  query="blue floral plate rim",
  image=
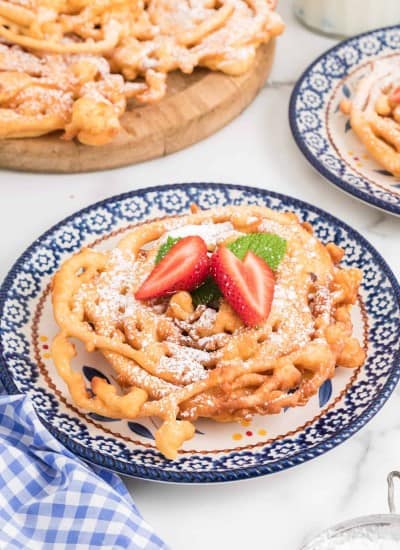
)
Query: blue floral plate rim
[
  {"x": 364, "y": 196},
  {"x": 228, "y": 474}
]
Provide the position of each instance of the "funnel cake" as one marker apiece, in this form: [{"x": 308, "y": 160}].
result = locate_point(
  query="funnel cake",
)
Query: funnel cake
[
  {"x": 73, "y": 65},
  {"x": 180, "y": 361},
  {"x": 374, "y": 113}
]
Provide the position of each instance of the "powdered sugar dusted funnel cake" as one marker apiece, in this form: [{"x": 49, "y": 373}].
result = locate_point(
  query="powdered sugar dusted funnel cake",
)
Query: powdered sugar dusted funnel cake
[
  {"x": 220, "y": 314},
  {"x": 137, "y": 79},
  {"x": 376, "y": 532},
  {"x": 345, "y": 113}
]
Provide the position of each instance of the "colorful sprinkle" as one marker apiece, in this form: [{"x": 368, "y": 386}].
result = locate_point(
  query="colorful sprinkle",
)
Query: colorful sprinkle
[
  {"x": 45, "y": 346},
  {"x": 47, "y": 355},
  {"x": 43, "y": 338},
  {"x": 249, "y": 433},
  {"x": 237, "y": 437},
  {"x": 245, "y": 423},
  {"x": 262, "y": 432}
]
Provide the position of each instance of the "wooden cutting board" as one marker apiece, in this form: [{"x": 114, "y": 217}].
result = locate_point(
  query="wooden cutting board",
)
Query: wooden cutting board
[{"x": 195, "y": 106}]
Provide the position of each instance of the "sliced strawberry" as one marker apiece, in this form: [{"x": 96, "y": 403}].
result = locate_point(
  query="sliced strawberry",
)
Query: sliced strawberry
[
  {"x": 395, "y": 96},
  {"x": 184, "y": 267},
  {"x": 247, "y": 285}
]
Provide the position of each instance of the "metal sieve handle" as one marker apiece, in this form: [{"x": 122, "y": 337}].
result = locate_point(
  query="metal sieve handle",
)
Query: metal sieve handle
[{"x": 390, "y": 481}]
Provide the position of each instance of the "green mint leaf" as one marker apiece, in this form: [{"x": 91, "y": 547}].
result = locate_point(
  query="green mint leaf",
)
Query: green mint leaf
[
  {"x": 165, "y": 248},
  {"x": 206, "y": 293},
  {"x": 267, "y": 246}
]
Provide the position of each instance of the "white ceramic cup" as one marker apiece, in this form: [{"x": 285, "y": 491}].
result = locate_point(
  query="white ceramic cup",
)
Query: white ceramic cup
[{"x": 347, "y": 17}]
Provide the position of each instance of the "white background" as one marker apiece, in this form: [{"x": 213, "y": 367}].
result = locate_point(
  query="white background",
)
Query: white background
[{"x": 277, "y": 512}]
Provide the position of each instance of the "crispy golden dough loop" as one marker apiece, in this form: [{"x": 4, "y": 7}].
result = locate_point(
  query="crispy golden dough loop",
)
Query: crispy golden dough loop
[
  {"x": 180, "y": 306},
  {"x": 101, "y": 47},
  {"x": 335, "y": 252},
  {"x": 74, "y": 272},
  {"x": 171, "y": 435},
  {"x": 137, "y": 238},
  {"x": 17, "y": 14},
  {"x": 105, "y": 402},
  {"x": 207, "y": 26}
]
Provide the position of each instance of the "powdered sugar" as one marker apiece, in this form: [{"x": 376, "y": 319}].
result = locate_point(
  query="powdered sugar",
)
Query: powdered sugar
[
  {"x": 373, "y": 537},
  {"x": 115, "y": 288},
  {"x": 185, "y": 363},
  {"x": 211, "y": 233}
]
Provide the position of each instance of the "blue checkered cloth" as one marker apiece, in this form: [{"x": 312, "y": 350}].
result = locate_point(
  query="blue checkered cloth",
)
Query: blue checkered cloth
[{"x": 49, "y": 499}]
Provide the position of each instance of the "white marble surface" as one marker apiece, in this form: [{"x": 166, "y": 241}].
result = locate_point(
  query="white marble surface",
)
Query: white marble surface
[{"x": 279, "y": 511}]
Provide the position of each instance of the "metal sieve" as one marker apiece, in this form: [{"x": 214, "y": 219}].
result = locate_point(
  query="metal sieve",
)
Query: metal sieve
[{"x": 379, "y": 531}]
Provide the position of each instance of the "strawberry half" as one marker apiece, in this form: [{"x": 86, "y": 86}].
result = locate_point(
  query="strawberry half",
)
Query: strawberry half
[
  {"x": 184, "y": 267},
  {"x": 247, "y": 285}
]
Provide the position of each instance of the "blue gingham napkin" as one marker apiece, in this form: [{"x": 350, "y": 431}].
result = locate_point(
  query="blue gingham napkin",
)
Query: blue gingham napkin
[{"x": 50, "y": 499}]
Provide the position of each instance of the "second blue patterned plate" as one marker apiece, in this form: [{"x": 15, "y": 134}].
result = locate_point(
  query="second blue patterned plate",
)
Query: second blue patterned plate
[
  {"x": 324, "y": 134},
  {"x": 218, "y": 452}
]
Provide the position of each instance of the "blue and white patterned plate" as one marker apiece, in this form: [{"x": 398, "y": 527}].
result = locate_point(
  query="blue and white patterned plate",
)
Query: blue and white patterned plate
[
  {"x": 324, "y": 134},
  {"x": 218, "y": 452}
]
